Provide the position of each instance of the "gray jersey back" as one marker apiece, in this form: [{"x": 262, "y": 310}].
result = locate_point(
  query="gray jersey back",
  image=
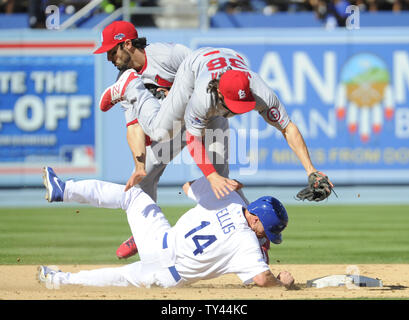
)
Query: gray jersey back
[{"x": 209, "y": 63}]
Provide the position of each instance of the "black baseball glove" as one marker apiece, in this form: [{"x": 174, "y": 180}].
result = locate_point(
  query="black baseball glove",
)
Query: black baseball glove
[
  {"x": 318, "y": 189},
  {"x": 158, "y": 94}
]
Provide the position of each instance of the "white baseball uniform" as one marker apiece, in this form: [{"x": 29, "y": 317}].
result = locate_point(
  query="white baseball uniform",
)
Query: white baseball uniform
[
  {"x": 189, "y": 103},
  {"x": 209, "y": 240},
  {"x": 162, "y": 61}
]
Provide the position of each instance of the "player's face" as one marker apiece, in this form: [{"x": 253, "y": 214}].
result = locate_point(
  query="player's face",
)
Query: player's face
[
  {"x": 259, "y": 230},
  {"x": 119, "y": 57},
  {"x": 255, "y": 224},
  {"x": 223, "y": 111}
]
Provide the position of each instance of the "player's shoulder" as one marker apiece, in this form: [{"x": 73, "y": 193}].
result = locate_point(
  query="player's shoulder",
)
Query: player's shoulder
[
  {"x": 166, "y": 54},
  {"x": 164, "y": 47},
  {"x": 158, "y": 49},
  {"x": 154, "y": 45}
]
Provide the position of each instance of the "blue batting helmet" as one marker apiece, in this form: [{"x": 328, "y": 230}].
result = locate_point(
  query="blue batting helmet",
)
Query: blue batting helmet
[{"x": 272, "y": 215}]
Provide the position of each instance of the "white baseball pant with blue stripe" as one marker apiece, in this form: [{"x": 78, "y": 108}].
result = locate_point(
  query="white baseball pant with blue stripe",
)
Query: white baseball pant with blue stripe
[{"x": 149, "y": 228}]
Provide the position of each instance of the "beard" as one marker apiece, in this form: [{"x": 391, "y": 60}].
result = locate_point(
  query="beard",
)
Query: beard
[{"x": 124, "y": 65}]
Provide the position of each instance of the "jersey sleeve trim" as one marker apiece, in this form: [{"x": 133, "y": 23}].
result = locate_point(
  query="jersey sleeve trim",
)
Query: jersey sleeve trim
[
  {"x": 145, "y": 65},
  {"x": 132, "y": 122}
]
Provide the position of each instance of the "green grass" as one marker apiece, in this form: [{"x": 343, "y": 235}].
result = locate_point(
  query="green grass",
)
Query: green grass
[
  {"x": 315, "y": 234},
  {"x": 60, "y": 235},
  {"x": 345, "y": 234}
]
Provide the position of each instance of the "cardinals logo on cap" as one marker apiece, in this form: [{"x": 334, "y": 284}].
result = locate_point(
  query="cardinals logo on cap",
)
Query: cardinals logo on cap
[
  {"x": 119, "y": 36},
  {"x": 234, "y": 85},
  {"x": 242, "y": 94}
]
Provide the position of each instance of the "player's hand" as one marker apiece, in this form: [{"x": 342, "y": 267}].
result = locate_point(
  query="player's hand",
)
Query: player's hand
[
  {"x": 136, "y": 177},
  {"x": 286, "y": 279},
  {"x": 222, "y": 186},
  {"x": 164, "y": 90}
]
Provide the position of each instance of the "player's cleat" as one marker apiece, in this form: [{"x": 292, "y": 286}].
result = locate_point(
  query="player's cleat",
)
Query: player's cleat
[
  {"x": 127, "y": 249},
  {"x": 54, "y": 186},
  {"x": 46, "y": 274},
  {"x": 116, "y": 93}
]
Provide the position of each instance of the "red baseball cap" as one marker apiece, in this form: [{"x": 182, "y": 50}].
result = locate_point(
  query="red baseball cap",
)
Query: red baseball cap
[
  {"x": 116, "y": 32},
  {"x": 234, "y": 85}
]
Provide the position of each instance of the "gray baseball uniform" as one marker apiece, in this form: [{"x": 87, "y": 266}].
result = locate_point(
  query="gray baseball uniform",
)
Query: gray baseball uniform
[
  {"x": 162, "y": 63},
  {"x": 189, "y": 104}
]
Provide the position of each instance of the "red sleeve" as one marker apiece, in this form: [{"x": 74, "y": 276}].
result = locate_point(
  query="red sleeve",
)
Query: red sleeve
[
  {"x": 132, "y": 122},
  {"x": 198, "y": 152}
]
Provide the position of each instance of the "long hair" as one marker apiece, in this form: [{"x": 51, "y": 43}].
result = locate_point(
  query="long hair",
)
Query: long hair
[
  {"x": 213, "y": 86},
  {"x": 212, "y": 89}
]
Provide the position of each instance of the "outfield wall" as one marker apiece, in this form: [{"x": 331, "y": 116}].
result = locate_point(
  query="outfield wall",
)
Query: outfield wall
[{"x": 347, "y": 90}]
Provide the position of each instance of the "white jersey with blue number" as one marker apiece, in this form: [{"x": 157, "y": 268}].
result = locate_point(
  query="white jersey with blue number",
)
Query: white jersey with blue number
[{"x": 214, "y": 238}]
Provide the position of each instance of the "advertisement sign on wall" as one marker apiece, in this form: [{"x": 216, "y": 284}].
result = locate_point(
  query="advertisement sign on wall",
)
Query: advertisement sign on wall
[
  {"x": 349, "y": 97},
  {"x": 47, "y": 114}
]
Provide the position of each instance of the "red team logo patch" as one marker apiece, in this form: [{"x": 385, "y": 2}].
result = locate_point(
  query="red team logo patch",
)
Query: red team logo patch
[{"x": 273, "y": 114}]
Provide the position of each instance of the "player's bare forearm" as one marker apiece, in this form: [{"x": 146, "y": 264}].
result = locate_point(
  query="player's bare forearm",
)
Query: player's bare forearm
[
  {"x": 136, "y": 141},
  {"x": 297, "y": 144},
  {"x": 267, "y": 279}
]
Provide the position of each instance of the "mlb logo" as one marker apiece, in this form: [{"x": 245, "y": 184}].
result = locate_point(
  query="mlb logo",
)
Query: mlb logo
[
  {"x": 119, "y": 36},
  {"x": 196, "y": 120}
]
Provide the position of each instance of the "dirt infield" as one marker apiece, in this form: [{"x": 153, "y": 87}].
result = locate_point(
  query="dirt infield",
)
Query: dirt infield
[{"x": 18, "y": 282}]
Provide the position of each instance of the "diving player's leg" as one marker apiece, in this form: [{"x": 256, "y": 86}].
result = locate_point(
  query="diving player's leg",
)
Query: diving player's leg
[
  {"x": 136, "y": 274},
  {"x": 94, "y": 192},
  {"x": 158, "y": 156},
  {"x": 99, "y": 193},
  {"x": 145, "y": 218}
]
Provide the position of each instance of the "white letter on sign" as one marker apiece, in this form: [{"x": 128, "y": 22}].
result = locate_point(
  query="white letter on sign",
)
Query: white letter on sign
[
  {"x": 79, "y": 107},
  {"x": 21, "y": 110},
  {"x": 55, "y": 109}
]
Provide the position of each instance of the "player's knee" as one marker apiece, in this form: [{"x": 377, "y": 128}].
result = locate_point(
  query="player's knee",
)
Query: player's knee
[{"x": 162, "y": 135}]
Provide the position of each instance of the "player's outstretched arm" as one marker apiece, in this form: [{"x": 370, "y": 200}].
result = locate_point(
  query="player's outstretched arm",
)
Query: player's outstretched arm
[
  {"x": 267, "y": 279},
  {"x": 296, "y": 142},
  {"x": 137, "y": 144},
  {"x": 319, "y": 185}
]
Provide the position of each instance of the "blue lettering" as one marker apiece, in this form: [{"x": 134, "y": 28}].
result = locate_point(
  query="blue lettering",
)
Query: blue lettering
[{"x": 225, "y": 222}]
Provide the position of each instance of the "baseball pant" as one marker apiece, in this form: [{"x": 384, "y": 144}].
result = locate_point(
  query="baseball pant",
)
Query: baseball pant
[
  {"x": 159, "y": 154},
  {"x": 149, "y": 227}
]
